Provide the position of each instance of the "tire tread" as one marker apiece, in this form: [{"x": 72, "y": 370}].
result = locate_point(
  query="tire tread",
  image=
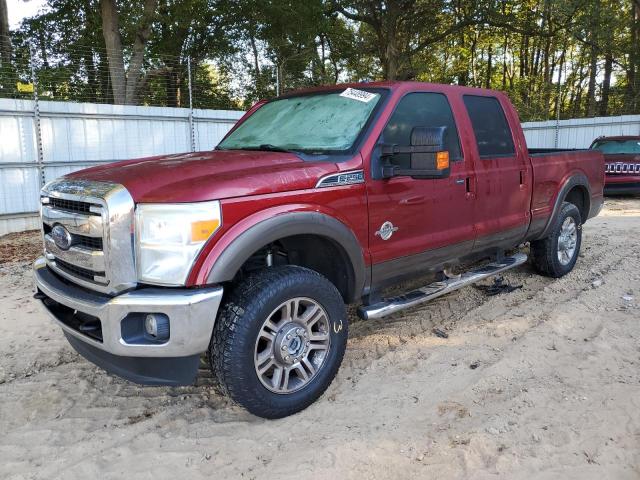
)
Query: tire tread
[
  {"x": 232, "y": 331},
  {"x": 544, "y": 251}
]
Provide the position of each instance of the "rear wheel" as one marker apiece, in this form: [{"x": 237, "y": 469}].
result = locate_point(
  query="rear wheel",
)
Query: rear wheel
[
  {"x": 556, "y": 255},
  {"x": 279, "y": 340}
]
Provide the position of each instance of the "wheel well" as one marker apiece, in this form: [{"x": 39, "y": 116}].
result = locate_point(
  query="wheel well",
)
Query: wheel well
[
  {"x": 315, "y": 252},
  {"x": 579, "y": 196}
]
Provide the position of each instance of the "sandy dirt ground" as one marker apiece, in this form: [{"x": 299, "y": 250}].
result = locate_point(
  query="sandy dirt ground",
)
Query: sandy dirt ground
[{"x": 543, "y": 382}]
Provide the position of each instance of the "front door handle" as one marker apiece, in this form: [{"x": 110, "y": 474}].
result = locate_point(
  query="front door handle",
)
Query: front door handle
[
  {"x": 460, "y": 181},
  {"x": 412, "y": 200}
]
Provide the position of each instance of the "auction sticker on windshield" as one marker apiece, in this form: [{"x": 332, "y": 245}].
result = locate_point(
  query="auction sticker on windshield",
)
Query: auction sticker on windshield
[{"x": 359, "y": 95}]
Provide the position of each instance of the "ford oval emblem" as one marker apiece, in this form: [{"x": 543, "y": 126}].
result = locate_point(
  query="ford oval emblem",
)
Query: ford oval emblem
[{"x": 61, "y": 237}]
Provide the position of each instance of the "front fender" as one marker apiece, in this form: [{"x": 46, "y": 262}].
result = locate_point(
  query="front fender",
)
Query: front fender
[{"x": 222, "y": 262}]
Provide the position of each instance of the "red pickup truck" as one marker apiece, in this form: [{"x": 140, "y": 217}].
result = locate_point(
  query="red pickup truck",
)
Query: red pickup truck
[{"x": 314, "y": 199}]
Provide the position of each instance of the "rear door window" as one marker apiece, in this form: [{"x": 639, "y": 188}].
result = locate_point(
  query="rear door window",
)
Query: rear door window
[{"x": 492, "y": 132}]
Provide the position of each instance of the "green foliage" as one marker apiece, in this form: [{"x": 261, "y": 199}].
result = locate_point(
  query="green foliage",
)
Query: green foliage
[{"x": 567, "y": 57}]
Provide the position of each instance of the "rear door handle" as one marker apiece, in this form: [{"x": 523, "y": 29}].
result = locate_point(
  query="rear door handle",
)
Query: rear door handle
[{"x": 470, "y": 187}]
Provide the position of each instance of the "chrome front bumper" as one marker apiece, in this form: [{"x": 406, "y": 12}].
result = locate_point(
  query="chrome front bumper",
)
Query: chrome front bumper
[{"x": 191, "y": 312}]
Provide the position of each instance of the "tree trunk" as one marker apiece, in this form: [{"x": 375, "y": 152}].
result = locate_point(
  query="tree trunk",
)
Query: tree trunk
[
  {"x": 5, "y": 40},
  {"x": 171, "y": 83},
  {"x": 92, "y": 75},
  {"x": 280, "y": 75},
  {"x": 334, "y": 62},
  {"x": 463, "y": 73},
  {"x": 134, "y": 74},
  {"x": 104, "y": 80},
  {"x": 126, "y": 83},
  {"x": 606, "y": 84},
  {"x": 113, "y": 42},
  {"x": 256, "y": 58},
  {"x": 591, "y": 91},
  {"x": 558, "y": 106},
  {"x": 391, "y": 57},
  {"x": 487, "y": 83},
  {"x": 472, "y": 54},
  {"x": 577, "y": 104},
  {"x": 392, "y": 50},
  {"x": 504, "y": 62},
  {"x": 522, "y": 57},
  {"x": 323, "y": 60}
]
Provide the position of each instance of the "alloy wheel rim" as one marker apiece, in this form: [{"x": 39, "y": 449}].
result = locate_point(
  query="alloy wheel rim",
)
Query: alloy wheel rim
[
  {"x": 292, "y": 345},
  {"x": 567, "y": 241}
]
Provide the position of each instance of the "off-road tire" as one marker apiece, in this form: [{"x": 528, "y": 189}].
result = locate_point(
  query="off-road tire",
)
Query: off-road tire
[
  {"x": 545, "y": 250},
  {"x": 232, "y": 348}
]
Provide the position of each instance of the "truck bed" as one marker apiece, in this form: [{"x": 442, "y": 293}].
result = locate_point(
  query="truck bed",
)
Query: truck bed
[
  {"x": 552, "y": 167},
  {"x": 546, "y": 151}
]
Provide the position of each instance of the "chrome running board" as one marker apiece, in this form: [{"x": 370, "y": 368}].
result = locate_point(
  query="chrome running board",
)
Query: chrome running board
[{"x": 437, "y": 289}]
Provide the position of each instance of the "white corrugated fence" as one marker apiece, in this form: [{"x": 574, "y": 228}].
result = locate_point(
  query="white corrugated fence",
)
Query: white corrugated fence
[
  {"x": 578, "y": 132},
  {"x": 78, "y": 135}
]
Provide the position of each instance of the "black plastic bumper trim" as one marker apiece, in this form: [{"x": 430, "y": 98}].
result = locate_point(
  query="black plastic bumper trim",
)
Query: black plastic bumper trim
[
  {"x": 622, "y": 188},
  {"x": 170, "y": 371}
]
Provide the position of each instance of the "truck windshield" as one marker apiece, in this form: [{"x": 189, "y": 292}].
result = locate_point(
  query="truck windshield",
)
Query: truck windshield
[
  {"x": 618, "y": 146},
  {"x": 322, "y": 123}
]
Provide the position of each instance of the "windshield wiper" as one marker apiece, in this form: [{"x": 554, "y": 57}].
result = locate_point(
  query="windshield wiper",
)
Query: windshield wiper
[{"x": 267, "y": 147}]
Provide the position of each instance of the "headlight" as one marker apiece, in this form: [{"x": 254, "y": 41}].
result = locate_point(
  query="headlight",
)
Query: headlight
[{"x": 170, "y": 236}]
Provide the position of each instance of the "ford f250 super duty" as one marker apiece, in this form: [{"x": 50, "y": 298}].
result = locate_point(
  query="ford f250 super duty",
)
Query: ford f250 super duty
[{"x": 314, "y": 199}]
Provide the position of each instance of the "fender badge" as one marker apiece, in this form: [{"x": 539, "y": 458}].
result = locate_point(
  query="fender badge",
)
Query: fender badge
[{"x": 386, "y": 230}]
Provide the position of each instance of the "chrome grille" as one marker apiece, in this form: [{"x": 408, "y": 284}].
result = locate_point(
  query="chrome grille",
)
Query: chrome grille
[
  {"x": 92, "y": 243},
  {"x": 620, "y": 167},
  {"x": 97, "y": 250},
  {"x": 74, "y": 206},
  {"x": 78, "y": 271}
]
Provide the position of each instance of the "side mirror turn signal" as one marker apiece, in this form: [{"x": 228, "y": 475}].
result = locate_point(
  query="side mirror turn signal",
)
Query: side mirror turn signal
[{"x": 442, "y": 160}]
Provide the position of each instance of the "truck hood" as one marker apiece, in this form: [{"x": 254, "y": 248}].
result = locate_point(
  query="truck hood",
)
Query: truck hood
[
  {"x": 621, "y": 157},
  {"x": 212, "y": 175}
]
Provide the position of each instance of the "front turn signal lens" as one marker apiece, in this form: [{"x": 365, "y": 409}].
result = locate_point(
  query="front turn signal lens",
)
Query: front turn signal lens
[
  {"x": 202, "y": 230},
  {"x": 442, "y": 160}
]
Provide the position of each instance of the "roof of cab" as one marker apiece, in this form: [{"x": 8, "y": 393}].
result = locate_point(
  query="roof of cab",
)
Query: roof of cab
[{"x": 394, "y": 85}]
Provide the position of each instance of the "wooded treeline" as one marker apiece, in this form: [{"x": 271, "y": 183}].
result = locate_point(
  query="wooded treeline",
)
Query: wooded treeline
[{"x": 572, "y": 57}]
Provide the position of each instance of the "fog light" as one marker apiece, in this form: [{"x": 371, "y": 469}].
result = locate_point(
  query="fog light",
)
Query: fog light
[{"x": 157, "y": 326}]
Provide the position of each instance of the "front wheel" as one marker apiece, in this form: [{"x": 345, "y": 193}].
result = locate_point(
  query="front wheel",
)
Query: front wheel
[
  {"x": 279, "y": 340},
  {"x": 556, "y": 255}
]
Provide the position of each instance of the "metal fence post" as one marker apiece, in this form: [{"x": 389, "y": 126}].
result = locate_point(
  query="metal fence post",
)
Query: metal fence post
[
  {"x": 192, "y": 133},
  {"x": 558, "y": 108},
  {"x": 36, "y": 116},
  {"x": 556, "y": 139}
]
